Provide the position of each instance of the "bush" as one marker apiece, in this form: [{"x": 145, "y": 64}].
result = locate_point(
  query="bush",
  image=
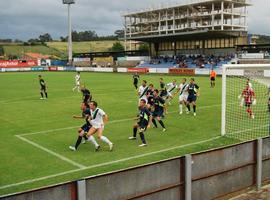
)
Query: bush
[{"x": 117, "y": 46}]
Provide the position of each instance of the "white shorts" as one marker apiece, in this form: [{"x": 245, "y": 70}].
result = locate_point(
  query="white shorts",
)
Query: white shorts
[
  {"x": 169, "y": 94},
  {"x": 97, "y": 126},
  {"x": 183, "y": 97},
  {"x": 78, "y": 83}
]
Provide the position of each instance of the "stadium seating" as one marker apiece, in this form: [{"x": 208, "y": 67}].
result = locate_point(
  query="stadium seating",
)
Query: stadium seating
[{"x": 187, "y": 61}]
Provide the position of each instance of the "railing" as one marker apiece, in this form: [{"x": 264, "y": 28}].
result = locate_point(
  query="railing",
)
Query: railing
[{"x": 205, "y": 175}]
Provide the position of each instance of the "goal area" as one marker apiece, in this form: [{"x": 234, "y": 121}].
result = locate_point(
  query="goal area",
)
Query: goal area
[{"x": 245, "y": 101}]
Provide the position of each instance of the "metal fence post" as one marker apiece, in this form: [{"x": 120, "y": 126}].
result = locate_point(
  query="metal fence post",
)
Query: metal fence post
[
  {"x": 259, "y": 164},
  {"x": 81, "y": 185},
  {"x": 188, "y": 163}
]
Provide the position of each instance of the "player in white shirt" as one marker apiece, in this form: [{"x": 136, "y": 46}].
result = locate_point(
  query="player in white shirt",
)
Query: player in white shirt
[
  {"x": 143, "y": 91},
  {"x": 183, "y": 94},
  {"x": 77, "y": 82},
  {"x": 97, "y": 120},
  {"x": 171, "y": 87}
]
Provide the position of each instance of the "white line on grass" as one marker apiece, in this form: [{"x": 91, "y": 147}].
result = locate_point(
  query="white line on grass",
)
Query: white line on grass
[
  {"x": 110, "y": 122},
  {"x": 107, "y": 163},
  {"x": 250, "y": 129},
  {"x": 82, "y": 167},
  {"x": 51, "y": 152}
]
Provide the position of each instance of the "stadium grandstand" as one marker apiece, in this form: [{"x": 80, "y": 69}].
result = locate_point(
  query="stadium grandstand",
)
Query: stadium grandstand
[{"x": 197, "y": 33}]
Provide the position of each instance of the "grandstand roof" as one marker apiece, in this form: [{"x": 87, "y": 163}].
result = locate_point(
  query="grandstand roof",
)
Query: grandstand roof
[{"x": 186, "y": 3}]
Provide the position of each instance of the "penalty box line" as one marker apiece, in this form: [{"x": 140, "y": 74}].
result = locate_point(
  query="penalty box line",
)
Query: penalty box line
[
  {"x": 76, "y": 164},
  {"x": 110, "y": 122},
  {"x": 51, "y": 152},
  {"x": 107, "y": 163}
]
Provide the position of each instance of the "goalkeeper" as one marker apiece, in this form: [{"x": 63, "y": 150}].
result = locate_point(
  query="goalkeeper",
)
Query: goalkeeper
[{"x": 250, "y": 99}]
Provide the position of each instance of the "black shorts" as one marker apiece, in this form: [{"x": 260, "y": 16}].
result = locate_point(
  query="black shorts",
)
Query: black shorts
[
  {"x": 212, "y": 78},
  {"x": 158, "y": 112},
  {"x": 163, "y": 93},
  {"x": 143, "y": 126},
  {"x": 86, "y": 127},
  {"x": 43, "y": 88},
  {"x": 87, "y": 99},
  {"x": 192, "y": 98}
]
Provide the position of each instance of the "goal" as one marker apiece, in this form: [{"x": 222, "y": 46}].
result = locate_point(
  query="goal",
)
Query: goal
[{"x": 245, "y": 101}]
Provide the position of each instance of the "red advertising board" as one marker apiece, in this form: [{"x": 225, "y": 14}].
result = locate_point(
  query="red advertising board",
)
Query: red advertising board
[
  {"x": 138, "y": 70},
  {"x": 182, "y": 71},
  {"x": 17, "y": 63},
  {"x": 53, "y": 69}
]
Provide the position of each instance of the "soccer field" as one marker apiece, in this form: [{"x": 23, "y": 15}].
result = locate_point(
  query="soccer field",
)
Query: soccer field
[{"x": 35, "y": 134}]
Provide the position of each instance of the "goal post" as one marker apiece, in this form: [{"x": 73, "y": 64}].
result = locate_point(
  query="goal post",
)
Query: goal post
[{"x": 245, "y": 101}]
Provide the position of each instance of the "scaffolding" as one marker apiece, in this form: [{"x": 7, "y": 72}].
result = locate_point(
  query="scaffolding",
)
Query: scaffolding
[{"x": 187, "y": 16}]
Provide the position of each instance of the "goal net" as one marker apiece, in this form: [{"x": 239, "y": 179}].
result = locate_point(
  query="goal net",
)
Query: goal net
[{"x": 245, "y": 101}]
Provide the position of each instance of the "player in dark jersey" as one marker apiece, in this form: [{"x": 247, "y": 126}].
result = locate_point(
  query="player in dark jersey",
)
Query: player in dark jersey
[
  {"x": 43, "y": 89},
  {"x": 150, "y": 96},
  {"x": 269, "y": 104},
  {"x": 87, "y": 97},
  {"x": 136, "y": 78},
  {"x": 163, "y": 92},
  {"x": 83, "y": 130},
  {"x": 144, "y": 120},
  {"x": 193, "y": 93},
  {"x": 158, "y": 110}
]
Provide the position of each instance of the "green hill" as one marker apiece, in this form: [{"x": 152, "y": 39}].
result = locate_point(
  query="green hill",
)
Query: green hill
[
  {"x": 83, "y": 47},
  {"x": 19, "y": 50}
]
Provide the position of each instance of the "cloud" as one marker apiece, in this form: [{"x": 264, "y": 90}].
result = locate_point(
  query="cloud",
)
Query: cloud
[{"x": 24, "y": 19}]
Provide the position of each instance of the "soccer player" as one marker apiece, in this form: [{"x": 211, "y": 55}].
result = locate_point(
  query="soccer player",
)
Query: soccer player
[
  {"x": 170, "y": 87},
  {"x": 142, "y": 91},
  {"x": 83, "y": 130},
  {"x": 242, "y": 102},
  {"x": 43, "y": 89},
  {"x": 87, "y": 97},
  {"x": 193, "y": 93},
  {"x": 183, "y": 95},
  {"x": 136, "y": 78},
  {"x": 77, "y": 82},
  {"x": 163, "y": 92},
  {"x": 213, "y": 76},
  {"x": 150, "y": 96},
  {"x": 158, "y": 110},
  {"x": 144, "y": 121},
  {"x": 269, "y": 104},
  {"x": 250, "y": 99},
  {"x": 97, "y": 120}
]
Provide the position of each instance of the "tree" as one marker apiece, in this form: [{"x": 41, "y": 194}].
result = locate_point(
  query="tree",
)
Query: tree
[
  {"x": 144, "y": 47},
  {"x": 63, "y": 39},
  {"x": 2, "y": 51},
  {"x": 33, "y": 42},
  {"x": 117, "y": 46},
  {"x": 45, "y": 38},
  {"x": 119, "y": 33}
]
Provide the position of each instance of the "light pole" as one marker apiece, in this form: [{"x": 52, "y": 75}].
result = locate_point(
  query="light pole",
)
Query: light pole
[{"x": 69, "y": 2}]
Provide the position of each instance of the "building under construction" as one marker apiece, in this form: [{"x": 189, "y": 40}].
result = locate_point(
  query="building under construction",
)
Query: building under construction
[{"x": 190, "y": 27}]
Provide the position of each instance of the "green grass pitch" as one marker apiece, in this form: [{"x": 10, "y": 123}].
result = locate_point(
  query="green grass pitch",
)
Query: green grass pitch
[{"x": 43, "y": 158}]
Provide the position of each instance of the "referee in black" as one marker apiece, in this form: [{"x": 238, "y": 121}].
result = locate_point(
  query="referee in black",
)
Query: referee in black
[
  {"x": 136, "y": 78},
  {"x": 43, "y": 90}
]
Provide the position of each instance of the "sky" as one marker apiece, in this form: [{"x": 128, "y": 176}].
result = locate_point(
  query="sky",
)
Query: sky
[{"x": 25, "y": 19}]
